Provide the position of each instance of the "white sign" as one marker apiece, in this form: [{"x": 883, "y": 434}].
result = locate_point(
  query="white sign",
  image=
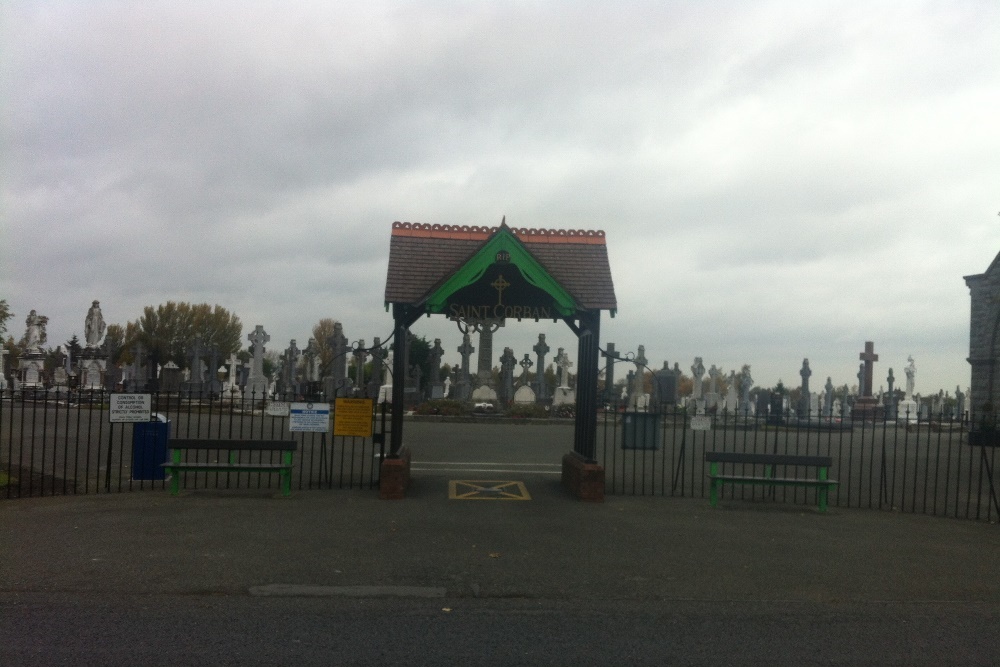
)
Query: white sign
[
  {"x": 309, "y": 417},
  {"x": 128, "y": 408},
  {"x": 276, "y": 409},
  {"x": 701, "y": 423}
]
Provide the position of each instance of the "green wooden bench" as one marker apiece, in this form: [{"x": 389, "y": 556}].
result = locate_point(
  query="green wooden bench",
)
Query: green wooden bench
[
  {"x": 762, "y": 467},
  {"x": 178, "y": 462}
]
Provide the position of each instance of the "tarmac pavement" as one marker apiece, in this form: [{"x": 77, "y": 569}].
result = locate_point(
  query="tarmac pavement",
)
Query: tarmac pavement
[{"x": 350, "y": 543}]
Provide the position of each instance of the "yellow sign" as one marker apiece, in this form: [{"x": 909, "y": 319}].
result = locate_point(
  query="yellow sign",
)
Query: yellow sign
[{"x": 353, "y": 417}]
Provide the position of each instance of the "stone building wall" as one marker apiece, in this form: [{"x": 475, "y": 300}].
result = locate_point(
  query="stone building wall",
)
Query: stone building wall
[{"x": 984, "y": 341}]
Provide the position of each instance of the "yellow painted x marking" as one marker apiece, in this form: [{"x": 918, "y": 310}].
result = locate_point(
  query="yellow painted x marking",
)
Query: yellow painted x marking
[{"x": 487, "y": 490}]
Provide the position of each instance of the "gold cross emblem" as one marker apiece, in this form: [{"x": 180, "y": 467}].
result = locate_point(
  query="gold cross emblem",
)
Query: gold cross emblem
[{"x": 500, "y": 285}]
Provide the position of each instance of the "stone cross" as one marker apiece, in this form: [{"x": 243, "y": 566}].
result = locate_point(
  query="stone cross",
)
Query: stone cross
[
  {"x": 257, "y": 383},
  {"x": 525, "y": 365},
  {"x": 869, "y": 357},
  {"x": 484, "y": 367},
  {"x": 466, "y": 350},
  {"x": 338, "y": 349},
  {"x": 292, "y": 366},
  {"x": 713, "y": 383},
  {"x": 507, "y": 363},
  {"x": 541, "y": 349},
  {"x": 609, "y": 375},
  {"x": 805, "y": 372},
  {"x": 311, "y": 353},
  {"x": 639, "y": 379},
  {"x": 828, "y": 401},
  {"x": 697, "y": 372},
  {"x": 196, "y": 352},
  {"x": 564, "y": 364},
  {"x": 435, "y": 361},
  {"x": 379, "y": 354},
  {"x": 360, "y": 355}
]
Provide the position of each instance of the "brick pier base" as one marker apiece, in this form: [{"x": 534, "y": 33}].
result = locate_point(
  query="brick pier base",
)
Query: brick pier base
[
  {"x": 584, "y": 480},
  {"x": 395, "y": 476}
]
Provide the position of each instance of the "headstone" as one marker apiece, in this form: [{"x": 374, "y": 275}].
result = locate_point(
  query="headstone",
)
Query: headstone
[
  {"x": 712, "y": 397},
  {"x": 524, "y": 395},
  {"x": 256, "y": 386},
  {"x": 697, "y": 373},
  {"x": 60, "y": 377},
  {"x": 665, "y": 386},
  {"x": 360, "y": 356},
  {"x": 540, "y": 349},
  {"x": 563, "y": 395},
  {"x": 805, "y": 408},
  {"x": 170, "y": 378},
  {"x": 609, "y": 374},
  {"x": 336, "y": 383},
  {"x": 746, "y": 382},
  {"x": 866, "y": 404},
  {"x": 463, "y": 388},
  {"x": 379, "y": 354},
  {"x": 732, "y": 399},
  {"x": 484, "y": 367},
  {"x": 638, "y": 398},
  {"x": 508, "y": 362},
  {"x": 525, "y": 365},
  {"x": 828, "y": 410},
  {"x": 437, "y": 387}
]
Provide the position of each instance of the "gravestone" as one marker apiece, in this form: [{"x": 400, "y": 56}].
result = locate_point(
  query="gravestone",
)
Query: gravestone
[
  {"x": 170, "y": 377},
  {"x": 828, "y": 410},
  {"x": 563, "y": 395},
  {"x": 3, "y": 368},
  {"x": 463, "y": 388},
  {"x": 865, "y": 407},
  {"x": 732, "y": 399},
  {"x": 336, "y": 383},
  {"x": 805, "y": 409},
  {"x": 360, "y": 356},
  {"x": 437, "y": 387},
  {"x": 256, "y": 386},
  {"x": 609, "y": 373},
  {"x": 508, "y": 362},
  {"x": 746, "y": 382},
  {"x": 379, "y": 354},
  {"x": 638, "y": 398},
  {"x": 712, "y": 397},
  {"x": 907, "y": 410},
  {"x": 697, "y": 374},
  {"x": 665, "y": 386},
  {"x": 541, "y": 349}
]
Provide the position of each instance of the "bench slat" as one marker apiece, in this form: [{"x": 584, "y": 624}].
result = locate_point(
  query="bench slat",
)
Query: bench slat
[
  {"x": 243, "y": 467},
  {"x": 777, "y": 481},
  {"x": 232, "y": 445},
  {"x": 769, "y": 459}
]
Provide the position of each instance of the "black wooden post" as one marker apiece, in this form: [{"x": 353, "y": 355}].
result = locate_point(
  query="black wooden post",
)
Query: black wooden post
[{"x": 588, "y": 360}]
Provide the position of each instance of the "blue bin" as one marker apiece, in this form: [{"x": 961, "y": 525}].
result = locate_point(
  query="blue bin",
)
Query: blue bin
[{"x": 149, "y": 448}]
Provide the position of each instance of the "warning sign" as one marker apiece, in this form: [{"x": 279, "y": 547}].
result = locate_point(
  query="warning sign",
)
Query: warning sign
[
  {"x": 129, "y": 408},
  {"x": 353, "y": 417},
  {"x": 309, "y": 418}
]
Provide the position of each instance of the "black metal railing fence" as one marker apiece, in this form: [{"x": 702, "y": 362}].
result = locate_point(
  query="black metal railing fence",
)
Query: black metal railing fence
[
  {"x": 941, "y": 466},
  {"x": 61, "y": 444}
]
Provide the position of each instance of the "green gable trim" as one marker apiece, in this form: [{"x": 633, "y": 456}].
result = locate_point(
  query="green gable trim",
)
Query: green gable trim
[{"x": 503, "y": 241}]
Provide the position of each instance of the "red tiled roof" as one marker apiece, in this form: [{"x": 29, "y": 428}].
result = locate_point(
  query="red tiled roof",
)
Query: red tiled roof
[{"x": 421, "y": 256}]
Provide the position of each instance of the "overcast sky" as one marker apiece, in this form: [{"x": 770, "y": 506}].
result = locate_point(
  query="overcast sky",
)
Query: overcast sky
[{"x": 777, "y": 180}]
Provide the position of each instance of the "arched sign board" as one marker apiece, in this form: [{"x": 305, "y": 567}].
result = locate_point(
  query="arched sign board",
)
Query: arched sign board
[{"x": 478, "y": 273}]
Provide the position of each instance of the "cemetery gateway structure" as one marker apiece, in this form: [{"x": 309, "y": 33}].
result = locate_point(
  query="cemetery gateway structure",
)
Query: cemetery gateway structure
[{"x": 478, "y": 276}]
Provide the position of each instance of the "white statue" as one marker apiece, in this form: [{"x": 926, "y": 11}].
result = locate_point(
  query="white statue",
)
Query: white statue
[
  {"x": 93, "y": 328},
  {"x": 910, "y": 371},
  {"x": 34, "y": 331}
]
